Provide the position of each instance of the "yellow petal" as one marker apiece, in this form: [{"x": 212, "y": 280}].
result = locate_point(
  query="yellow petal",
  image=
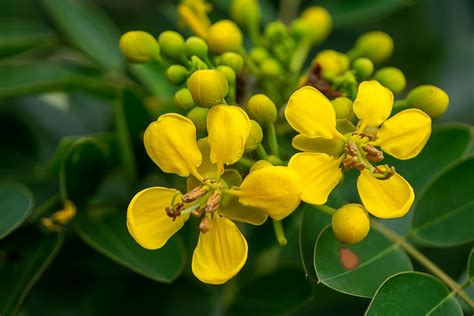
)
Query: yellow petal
[
  {"x": 389, "y": 198},
  {"x": 332, "y": 147},
  {"x": 274, "y": 190},
  {"x": 373, "y": 103},
  {"x": 310, "y": 113},
  {"x": 319, "y": 174},
  {"x": 234, "y": 210},
  {"x": 207, "y": 168},
  {"x": 228, "y": 129},
  {"x": 171, "y": 143},
  {"x": 405, "y": 134},
  {"x": 147, "y": 221},
  {"x": 220, "y": 253}
]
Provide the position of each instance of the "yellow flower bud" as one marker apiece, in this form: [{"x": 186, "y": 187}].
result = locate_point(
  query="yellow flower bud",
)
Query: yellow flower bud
[
  {"x": 228, "y": 73},
  {"x": 259, "y": 54},
  {"x": 139, "y": 46},
  {"x": 245, "y": 12},
  {"x": 363, "y": 67},
  {"x": 183, "y": 99},
  {"x": 351, "y": 223},
  {"x": 320, "y": 23},
  {"x": 392, "y": 78},
  {"x": 196, "y": 46},
  {"x": 199, "y": 117},
  {"x": 177, "y": 74},
  {"x": 233, "y": 60},
  {"x": 430, "y": 99},
  {"x": 377, "y": 46},
  {"x": 271, "y": 67},
  {"x": 208, "y": 87},
  {"x": 343, "y": 108},
  {"x": 262, "y": 109},
  {"x": 255, "y": 136},
  {"x": 260, "y": 165},
  {"x": 172, "y": 44},
  {"x": 332, "y": 62},
  {"x": 224, "y": 36}
]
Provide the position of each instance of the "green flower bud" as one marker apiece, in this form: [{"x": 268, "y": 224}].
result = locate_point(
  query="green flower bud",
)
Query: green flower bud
[
  {"x": 196, "y": 46},
  {"x": 301, "y": 29},
  {"x": 377, "y": 46},
  {"x": 271, "y": 67},
  {"x": 199, "y": 117},
  {"x": 392, "y": 78},
  {"x": 260, "y": 165},
  {"x": 332, "y": 62},
  {"x": 351, "y": 223},
  {"x": 177, "y": 74},
  {"x": 343, "y": 108},
  {"x": 262, "y": 109},
  {"x": 184, "y": 99},
  {"x": 224, "y": 36},
  {"x": 245, "y": 12},
  {"x": 233, "y": 60},
  {"x": 208, "y": 87},
  {"x": 172, "y": 44},
  {"x": 228, "y": 73},
  {"x": 255, "y": 136},
  {"x": 198, "y": 64},
  {"x": 275, "y": 31},
  {"x": 139, "y": 46},
  {"x": 259, "y": 54},
  {"x": 363, "y": 67},
  {"x": 320, "y": 22},
  {"x": 430, "y": 99},
  {"x": 274, "y": 160}
]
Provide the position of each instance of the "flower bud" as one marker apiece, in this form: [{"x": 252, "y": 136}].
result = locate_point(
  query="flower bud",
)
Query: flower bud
[
  {"x": 259, "y": 54},
  {"x": 351, "y": 223},
  {"x": 377, "y": 46},
  {"x": 198, "y": 64},
  {"x": 343, "y": 108},
  {"x": 262, "y": 109},
  {"x": 320, "y": 22},
  {"x": 255, "y": 136},
  {"x": 172, "y": 44},
  {"x": 275, "y": 31},
  {"x": 224, "y": 36},
  {"x": 271, "y": 67},
  {"x": 332, "y": 62},
  {"x": 363, "y": 67},
  {"x": 392, "y": 78},
  {"x": 228, "y": 73},
  {"x": 260, "y": 165},
  {"x": 183, "y": 99},
  {"x": 233, "y": 60},
  {"x": 199, "y": 117},
  {"x": 208, "y": 87},
  {"x": 301, "y": 29},
  {"x": 430, "y": 99},
  {"x": 177, "y": 74},
  {"x": 245, "y": 12},
  {"x": 139, "y": 46},
  {"x": 196, "y": 46}
]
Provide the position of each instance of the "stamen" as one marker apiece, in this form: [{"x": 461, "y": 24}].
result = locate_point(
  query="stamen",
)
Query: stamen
[
  {"x": 205, "y": 225},
  {"x": 194, "y": 194},
  {"x": 383, "y": 172},
  {"x": 174, "y": 211},
  {"x": 213, "y": 202},
  {"x": 373, "y": 154}
]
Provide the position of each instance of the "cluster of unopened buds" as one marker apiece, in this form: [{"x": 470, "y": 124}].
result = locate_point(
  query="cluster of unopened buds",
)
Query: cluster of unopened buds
[{"x": 241, "y": 104}]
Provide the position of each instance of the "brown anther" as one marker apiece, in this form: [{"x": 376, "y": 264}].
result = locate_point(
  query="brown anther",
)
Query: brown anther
[
  {"x": 360, "y": 166},
  {"x": 197, "y": 212},
  {"x": 173, "y": 211},
  {"x": 349, "y": 162},
  {"x": 351, "y": 148},
  {"x": 194, "y": 194},
  {"x": 316, "y": 80},
  {"x": 373, "y": 154},
  {"x": 213, "y": 202},
  {"x": 205, "y": 225},
  {"x": 385, "y": 172}
]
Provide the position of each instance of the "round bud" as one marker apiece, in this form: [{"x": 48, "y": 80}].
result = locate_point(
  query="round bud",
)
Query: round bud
[
  {"x": 177, "y": 74},
  {"x": 271, "y": 67},
  {"x": 172, "y": 44},
  {"x": 430, "y": 99},
  {"x": 320, "y": 22},
  {"x": 343, "y": 108},
  {"x": 139, "y": 46},
  {"x": 351, "y": 223},
  {"x": 198, "y": 64},
  {"x": 274, "y": 31},
  {"x": 377, "y": 46},
  {"x": 196, "y": 46},
  {"x": 224, "y": 36},
  {"x": 199, "y": 117},
  {"x": 392, "y": 78},
  {"x": 259, "y": 54},
  {"x": 245, "y": 12},
  {"x": 260, "y": 165},
  {"x": 332, "y": 62},
  {"x": 274, "y": 160},
  {"x": 255, "y": 136},
  {"x": 300, "y": 29},
  {"x": 233, "y": 60},
  {"x": 208, "y": 87},
  {"x": 363, "y": 67},
  {"x": 262, "y": 109},
  {"x": 228, "y": 73},
  {"x": 183, "y": 99}
]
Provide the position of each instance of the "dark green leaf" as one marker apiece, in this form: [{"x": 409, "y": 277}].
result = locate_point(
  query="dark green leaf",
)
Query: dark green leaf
[
  {"x": 413, "y": 294},
  {"x": 16, "y": 203},
  {"x": 357, "y": 269},
  {"x": 108, "y": 234},
  {"x": 23, "y": 259},
  {"x": 443, "y": 216}
]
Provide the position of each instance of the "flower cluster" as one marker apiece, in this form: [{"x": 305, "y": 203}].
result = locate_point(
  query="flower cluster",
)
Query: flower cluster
[{"x": 241, "y": 104}]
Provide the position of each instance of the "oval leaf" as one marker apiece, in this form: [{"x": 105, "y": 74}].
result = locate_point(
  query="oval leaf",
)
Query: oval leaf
[
  {"x": 413, "y": 294},
  {"x": 16, "y": 203},
  {"x": 357, "y": 269}
]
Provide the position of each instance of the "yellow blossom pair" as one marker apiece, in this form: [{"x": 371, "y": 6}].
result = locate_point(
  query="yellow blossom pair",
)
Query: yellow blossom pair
[
  {"x": 327, "y": 152},
  {"x": 215, "y": 195}
]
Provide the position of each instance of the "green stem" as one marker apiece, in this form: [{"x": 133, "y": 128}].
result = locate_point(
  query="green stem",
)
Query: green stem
[
  {"x": 246, "y": 162},
  {"x": 424, "y": 261},
  {"x": 325, "y": 209},
  {"x": 299, "y": 56},
  {"x": 249, "y": 62},
  {"x": 399, "y": 105},
  {"x": 272, "y": 140},
  {"x": 261, "y": 153},
  {"x": 279, "y": 233},
  {"x": 288, "y": 10},
  {"x": 43, "y": 208}
]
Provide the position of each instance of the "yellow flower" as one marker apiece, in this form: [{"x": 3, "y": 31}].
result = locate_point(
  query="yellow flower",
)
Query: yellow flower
[
  {"x": 216, "y": 195},
  {"x": 327, "y": 152}
]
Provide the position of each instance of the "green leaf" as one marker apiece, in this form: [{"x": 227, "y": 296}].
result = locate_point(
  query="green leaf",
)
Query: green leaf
[
  {"x": 470, "y": 265},
  {"x": 443, "y": 216},
  {"x": 89, "y": 29},
  {"x": 413, "y": 294},
  {"x": 23, "y": 259},
  {"x": 152, "y": 76},
  {"x": 16, "y": 203},
  {"x": 108, "y": 234},
  {"x": 357, "y": 269}
]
